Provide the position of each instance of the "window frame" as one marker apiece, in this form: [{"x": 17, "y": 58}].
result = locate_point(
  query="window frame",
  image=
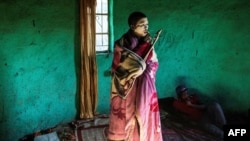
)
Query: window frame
[{"x": 109, "y": 27}]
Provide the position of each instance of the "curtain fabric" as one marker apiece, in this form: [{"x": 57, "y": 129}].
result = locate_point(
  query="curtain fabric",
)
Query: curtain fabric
[{"x": 88, "y": 80}]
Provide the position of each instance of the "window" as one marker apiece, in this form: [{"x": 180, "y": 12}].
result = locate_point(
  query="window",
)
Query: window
[{"x": 102, "y": 26}]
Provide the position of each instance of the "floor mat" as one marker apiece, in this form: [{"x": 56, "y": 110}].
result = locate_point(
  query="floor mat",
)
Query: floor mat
[
  {"x": 91, "y": 134},
  {"x": 91, "y": 129}
]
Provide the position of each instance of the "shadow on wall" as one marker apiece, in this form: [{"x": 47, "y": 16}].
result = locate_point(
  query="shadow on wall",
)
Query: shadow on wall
[
  {"x": 224, "y": 95},
  {"x": 181, "y": 80},
  {"x": 220, "y": 92}
]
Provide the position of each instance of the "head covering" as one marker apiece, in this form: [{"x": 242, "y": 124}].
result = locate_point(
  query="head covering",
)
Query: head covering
[
  {"x": 135, "y": 17},
  {"x": 180, "y": 89}
]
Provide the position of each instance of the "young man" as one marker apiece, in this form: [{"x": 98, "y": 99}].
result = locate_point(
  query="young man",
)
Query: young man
[
  {"x": 134, "y": 111},
  {"x": 210, "y": 116}
]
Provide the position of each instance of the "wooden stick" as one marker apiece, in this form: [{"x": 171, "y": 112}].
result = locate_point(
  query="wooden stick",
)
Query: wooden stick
[{"x": 153, "y": 43}]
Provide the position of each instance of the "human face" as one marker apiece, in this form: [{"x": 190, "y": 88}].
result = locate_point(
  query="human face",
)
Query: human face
[
  {"x": 141, "y": 27},
  {"x": 184, "y": 95}
]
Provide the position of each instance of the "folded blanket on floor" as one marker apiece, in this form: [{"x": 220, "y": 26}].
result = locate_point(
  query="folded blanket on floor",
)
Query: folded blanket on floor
[{"x": 91, "y": 129}]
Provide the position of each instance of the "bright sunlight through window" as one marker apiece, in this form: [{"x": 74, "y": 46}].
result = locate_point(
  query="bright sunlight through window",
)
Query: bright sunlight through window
[{"x": 102, "y": 31}]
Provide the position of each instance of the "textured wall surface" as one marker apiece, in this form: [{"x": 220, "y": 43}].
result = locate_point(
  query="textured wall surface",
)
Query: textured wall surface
[
  {"x": 204, "y": 44},
  {"x": 37, "y": 65}
]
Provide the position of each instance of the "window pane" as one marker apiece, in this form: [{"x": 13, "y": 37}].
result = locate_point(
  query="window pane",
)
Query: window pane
[
  {"x": 102, "y": 39},
  {"x": 101, "y": 24},
  {"x": 102, "y": 6},
  {"x": 102, "y": 42},
  {"x": 102, "y": 48},
  {"x": 102, "y": 33}
]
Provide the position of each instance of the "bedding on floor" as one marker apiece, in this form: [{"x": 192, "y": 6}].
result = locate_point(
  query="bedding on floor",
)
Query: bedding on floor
[
  {"x": 177, "y": 129},
  {"x": 174, "y": 127}
]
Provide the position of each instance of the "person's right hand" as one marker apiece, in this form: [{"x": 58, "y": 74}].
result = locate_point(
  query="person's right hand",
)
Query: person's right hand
[{"x": 148, "y": 38}]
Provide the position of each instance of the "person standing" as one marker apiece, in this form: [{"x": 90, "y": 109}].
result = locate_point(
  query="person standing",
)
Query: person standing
[{"x": 134, "y": 109}]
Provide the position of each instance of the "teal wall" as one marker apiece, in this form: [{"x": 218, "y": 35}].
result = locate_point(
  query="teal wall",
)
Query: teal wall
[
  {"x": 37, "y": 65},
  {"x": 204, "y": 44}
]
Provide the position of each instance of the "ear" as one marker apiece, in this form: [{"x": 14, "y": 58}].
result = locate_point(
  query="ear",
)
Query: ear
[{"x": 132, "y": 27}]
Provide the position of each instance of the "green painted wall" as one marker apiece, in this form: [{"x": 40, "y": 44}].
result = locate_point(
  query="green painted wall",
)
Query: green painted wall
[
  {"x": 37, "y": 65},
  {"x": 204, "y": 44}
]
